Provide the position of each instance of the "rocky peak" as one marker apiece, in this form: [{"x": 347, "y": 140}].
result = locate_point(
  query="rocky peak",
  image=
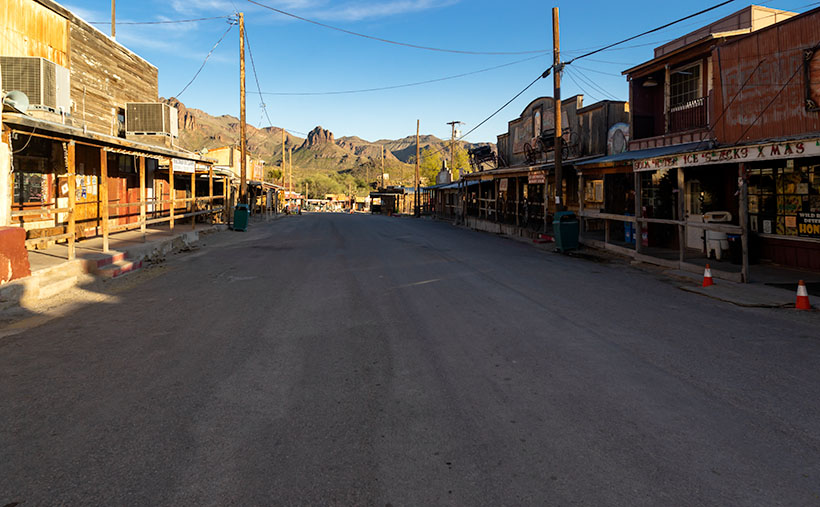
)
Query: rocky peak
[
  {"x": 186, "y": 119},
  {"x": 318, "y": 136}
]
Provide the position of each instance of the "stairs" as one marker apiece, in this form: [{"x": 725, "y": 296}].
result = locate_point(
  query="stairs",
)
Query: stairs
[{"x": 112, "y": 265}]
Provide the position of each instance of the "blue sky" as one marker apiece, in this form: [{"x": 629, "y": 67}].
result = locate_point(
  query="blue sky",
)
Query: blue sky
[{"x": 293, "y": 56}]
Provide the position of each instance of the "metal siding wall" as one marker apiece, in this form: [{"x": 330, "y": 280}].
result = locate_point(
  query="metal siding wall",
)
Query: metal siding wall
[{"x": 781, "y": 49}]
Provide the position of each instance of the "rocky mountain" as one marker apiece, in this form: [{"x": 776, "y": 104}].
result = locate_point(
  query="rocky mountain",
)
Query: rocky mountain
[{"x": 317, "y": 154}]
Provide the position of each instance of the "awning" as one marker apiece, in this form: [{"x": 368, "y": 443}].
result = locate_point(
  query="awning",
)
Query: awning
[{"x": 629, "y": 157}]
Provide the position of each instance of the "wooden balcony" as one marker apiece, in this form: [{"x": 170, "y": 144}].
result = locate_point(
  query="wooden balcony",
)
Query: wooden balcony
[{"x": 690, "y": 115}]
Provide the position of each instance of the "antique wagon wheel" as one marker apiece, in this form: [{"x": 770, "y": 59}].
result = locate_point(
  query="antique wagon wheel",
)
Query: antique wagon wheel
[{"x": 529, "y": 153}]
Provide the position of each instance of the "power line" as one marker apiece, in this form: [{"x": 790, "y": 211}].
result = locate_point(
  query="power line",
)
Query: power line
[
  {"x": 592, "y": 84},
  {"x": 170, "y": 21},
  {"x": 590, "y": 53},
  {"x": 232, "y": 21},
  {"x": 714, "y": 123},
  {"x": 256, "y": 77},
  {"x": 388, "y": 41},
  {"x": 406, "y": 85},
  {"x": 581, "y": 87},
  {"x": 770, "y": 102}
]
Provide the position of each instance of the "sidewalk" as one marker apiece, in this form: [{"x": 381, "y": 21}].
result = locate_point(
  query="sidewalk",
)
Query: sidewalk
[{"x": 52, "y": 272}]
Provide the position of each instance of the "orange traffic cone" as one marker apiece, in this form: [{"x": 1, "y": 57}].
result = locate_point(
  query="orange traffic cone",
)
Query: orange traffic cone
[
  {"x": 802, "y": 302},
  {"x": 707, "y": 277}
]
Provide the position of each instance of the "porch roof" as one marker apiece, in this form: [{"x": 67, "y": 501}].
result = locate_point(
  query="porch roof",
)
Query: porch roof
[
  {"x": 33, "y": 126},
  {"x": 628, "y": 157}
]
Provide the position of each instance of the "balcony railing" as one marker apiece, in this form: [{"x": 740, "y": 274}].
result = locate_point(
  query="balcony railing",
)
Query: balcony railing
[{"x": 690, "y": 115}]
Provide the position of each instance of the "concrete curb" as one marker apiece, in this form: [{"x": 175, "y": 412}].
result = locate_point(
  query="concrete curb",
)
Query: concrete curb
[{"x": 49, "y": 282}]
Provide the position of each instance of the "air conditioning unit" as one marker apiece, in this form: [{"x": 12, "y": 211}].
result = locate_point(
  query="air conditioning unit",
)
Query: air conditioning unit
[
  {"x": 151, "y": 118},
  {"x": 46, "y": 84}
]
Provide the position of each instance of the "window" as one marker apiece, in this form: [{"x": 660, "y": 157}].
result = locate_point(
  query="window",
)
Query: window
[
  {"x": 684, "y": 85},
  {"x": 785, "y": 200}
]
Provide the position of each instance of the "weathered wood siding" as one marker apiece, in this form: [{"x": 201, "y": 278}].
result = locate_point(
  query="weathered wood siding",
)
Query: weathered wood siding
[
  {"x": 778, "y": 80},
  {"x": 30, "y": 29},
  {"x": 104, "y": 76}
]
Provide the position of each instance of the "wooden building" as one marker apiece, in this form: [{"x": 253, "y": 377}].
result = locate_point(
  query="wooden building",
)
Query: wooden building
[
  {"x": 80, "y": 165},
  {"x": 724, "y": 123}
]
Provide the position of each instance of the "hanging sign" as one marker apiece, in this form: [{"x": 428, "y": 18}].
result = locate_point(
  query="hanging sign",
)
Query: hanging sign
[
  {"x": 502, "y": 185},
  {"x": 536, "y": 178},
  {"x": 184, "y": 166}
]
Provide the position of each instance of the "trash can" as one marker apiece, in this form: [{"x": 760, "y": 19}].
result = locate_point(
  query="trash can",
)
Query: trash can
[
  {"x": 565, "y": 228},
  {"x": 716, "y": 242},
  {"x": 240, "y": 217}
]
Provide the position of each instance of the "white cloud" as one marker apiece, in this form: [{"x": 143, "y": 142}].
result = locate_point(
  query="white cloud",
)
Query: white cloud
[{"x": 367, "y": 10}]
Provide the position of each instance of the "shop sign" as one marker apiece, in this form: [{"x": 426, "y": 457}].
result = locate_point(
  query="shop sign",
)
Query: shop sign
[
  {"x": 536, "y": 178},
  {"x": 184, "y": 166},
  {"x": 772, "y": 151},
  {"x": 502, "y": 185},
  {"x": 808, "y": 225}
]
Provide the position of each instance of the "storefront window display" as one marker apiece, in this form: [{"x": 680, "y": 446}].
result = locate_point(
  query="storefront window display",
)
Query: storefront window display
[{"x": 785, "y": 200}]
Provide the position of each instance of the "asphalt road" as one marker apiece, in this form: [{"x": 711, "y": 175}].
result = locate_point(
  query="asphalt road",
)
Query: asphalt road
[{"x": 367, "y": 360}]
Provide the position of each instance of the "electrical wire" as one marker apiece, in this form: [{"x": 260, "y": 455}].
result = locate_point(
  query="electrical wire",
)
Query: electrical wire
[
  {"x": 388, "y": 41},
  {"x": 569, "y": 75},
  {"x": 231, "y": 21},
  {"x": 256, "y": 77},
  {"x": 714, "y": 123},
  {"x": 170, "y": 21},
  {"x": 406, "y": 85},
  {"x": 770, "y": 102},
  {"x": 592, "y": 84},
  {"x": 590, "y": 53}
]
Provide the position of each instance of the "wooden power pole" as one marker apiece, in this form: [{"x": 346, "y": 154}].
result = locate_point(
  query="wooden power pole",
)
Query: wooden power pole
[
  {"x": 113, "y": 19},
  {"x": 382, "y": 176},
  {"x": 556, "y": 80},
  {"x": 243, "y": 184},
  {"x": 290, "y": 168},
  {"x": 453, "y": 124},
  {"x": 418, "y": 191},
  {"x": 284, "y": 159}
]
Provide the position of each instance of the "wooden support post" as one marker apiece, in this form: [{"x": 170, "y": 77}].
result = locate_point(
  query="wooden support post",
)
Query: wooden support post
[
  {"x": 225, "y": 208},
  {"x": 546, "y": 198},
  {"x": 743, "y": 221},
  {"x": 172, "y": 194},
  {"x": 518, "y": 197},
  {"x": 638, "y": 214},
  {"x": 211, "y": 191},
  {"x": 193, "y": 200},
  {"x": 581, "y": 199},
  {"x": 103, "y": 193},
  {"x": 143, "y": 205},
  {"x": 681, "y": 218},
  {"x": 495, "y": 204},
  {"x": 72, "y": 197}
]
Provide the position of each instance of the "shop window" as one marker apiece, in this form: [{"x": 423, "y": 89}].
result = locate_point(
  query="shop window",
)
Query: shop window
[
  {"x": 30, "y": 188},
  {"x": 594, "y": 191},
  {"x": 785, "y": 200},
  {"x": 684, "y": 85}
]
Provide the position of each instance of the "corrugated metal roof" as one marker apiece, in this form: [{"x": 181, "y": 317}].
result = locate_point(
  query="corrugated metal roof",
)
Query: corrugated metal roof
[{"x": 629, "y": 156}]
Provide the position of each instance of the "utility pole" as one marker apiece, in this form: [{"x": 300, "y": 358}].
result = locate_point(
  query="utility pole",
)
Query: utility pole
[
  {"x": 243, "y": 184},
  {"x": 453, "y": 124},
  {"x": 113, "y": 19},
  {"x": 418, "y": 191},
  {"x": 284, "y": 159},
  {"x": 382, "y": 176},
  {"x": 556, "y": 80},
  {"x": 290, "y": 168}
]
